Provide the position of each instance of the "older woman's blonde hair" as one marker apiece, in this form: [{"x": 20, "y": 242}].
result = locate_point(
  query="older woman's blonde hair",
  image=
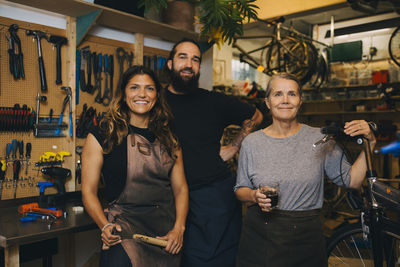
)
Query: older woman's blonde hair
[{"x": 286, "y": 76}]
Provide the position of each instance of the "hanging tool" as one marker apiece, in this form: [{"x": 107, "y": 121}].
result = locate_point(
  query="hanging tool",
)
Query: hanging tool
[
  {"x": 21, "y": 151},
  {"x": 16, "y": 169},
  {"x": 89, "y": 62},
  {"x": 122, "y": 56},
  {"x": 3, "y": 169},
  {"x": 8, "y": 151},
  {"x": 67, "y": 99},
  {"x": 82, "y": 79},
  {"x": 106, "y": 99},
  {"x": 78, "y": 171},
  {"x": 97, "y": 72},
  {"x": 38, "y": 35},
  {"x": 14, "y": 149},
  {"x": 39, "y": 99},
  {"x": 59, "y": 175},
  {"x": 60, "y": 155},
  {"x": 27, "y": 156},
  {"x": 58, "y": 42},
  {"x": 16, "y": 57}
]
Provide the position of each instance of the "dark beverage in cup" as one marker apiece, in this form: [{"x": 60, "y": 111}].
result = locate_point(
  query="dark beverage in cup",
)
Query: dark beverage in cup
[{"x": 274, "y": 196}]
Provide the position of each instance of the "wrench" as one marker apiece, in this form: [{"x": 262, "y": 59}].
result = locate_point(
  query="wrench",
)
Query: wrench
[
  {"x": 98, "y": 67},
  {"x": 106, "y": 99}
]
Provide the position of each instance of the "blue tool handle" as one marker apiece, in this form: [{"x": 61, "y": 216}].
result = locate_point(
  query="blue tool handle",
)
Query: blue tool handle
[
  {"x": 105, "y": 58},
  {"x": 99, "y": 56},
  {"x": 14, "y": 148},
  {"x": 59, "y": 123},
  {"x": 27, "y": 219},
  {"x": 8, "y": 150},
  {"x": 43, "y": 185},
  {"x": 70, "y": 125}
]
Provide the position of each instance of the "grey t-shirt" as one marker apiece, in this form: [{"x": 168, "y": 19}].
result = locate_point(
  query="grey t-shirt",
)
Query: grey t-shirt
[{"x": 295, "y": 164}]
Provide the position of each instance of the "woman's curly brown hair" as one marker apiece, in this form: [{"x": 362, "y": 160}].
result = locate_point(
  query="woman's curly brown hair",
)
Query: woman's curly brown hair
[{"x": 116, "y": 121}]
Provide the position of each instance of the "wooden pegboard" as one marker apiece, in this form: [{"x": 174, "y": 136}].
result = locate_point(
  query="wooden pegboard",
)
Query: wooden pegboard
[{"x": 24, "y": 92}]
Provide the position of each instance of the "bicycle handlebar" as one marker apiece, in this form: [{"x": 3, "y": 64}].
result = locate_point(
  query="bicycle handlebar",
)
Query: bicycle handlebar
[{"x": 392, "y": 148}]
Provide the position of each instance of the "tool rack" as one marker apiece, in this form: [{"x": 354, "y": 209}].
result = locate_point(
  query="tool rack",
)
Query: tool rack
[{"x": 24, "y": 91}]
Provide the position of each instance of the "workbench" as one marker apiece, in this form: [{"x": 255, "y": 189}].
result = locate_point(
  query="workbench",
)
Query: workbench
[{"x": 14, "y": 233}]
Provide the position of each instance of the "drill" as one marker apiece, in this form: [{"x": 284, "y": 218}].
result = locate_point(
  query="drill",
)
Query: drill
[{"x": 59, "y": 175}]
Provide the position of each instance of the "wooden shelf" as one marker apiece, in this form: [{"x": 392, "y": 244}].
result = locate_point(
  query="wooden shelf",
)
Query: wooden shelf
[
  {"x": 346, "y": 112},
  {"x": 352, "y": 87},
  {"x": 346, "y": 100},
  {"x": 111, "y": 18}
]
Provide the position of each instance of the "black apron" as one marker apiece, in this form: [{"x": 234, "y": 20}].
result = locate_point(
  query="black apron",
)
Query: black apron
[
  {"x": 281, "y": 239},
  {"x": 146, "y": 205}
]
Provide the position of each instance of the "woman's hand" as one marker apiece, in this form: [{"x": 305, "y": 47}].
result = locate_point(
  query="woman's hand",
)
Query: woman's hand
[
  {"x": 108, "y": 238},
  {"x": 359, "y": 127},
  {"x": 262, "y": 200},
  {"x": 175, "y": 240}
]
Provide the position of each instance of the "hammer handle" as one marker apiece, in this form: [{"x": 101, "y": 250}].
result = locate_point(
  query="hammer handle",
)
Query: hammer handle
[
  {"x": 43, "y": 83},
  {"x": 58, "y": 64}
]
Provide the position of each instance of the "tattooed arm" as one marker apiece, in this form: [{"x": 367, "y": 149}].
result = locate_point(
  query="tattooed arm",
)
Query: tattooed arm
[{"x": 227, "y": 152}]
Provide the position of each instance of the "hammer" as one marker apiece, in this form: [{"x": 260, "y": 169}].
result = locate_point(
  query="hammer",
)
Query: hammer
[
  {"x": 58, "y": 41},
  {"x": 38, "y": 35}
]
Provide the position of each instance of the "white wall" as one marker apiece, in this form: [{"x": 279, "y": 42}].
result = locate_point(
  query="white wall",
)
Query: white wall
[{"x": 377, "y": 38}]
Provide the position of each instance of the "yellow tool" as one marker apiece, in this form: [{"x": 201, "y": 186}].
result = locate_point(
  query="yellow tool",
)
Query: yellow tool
[
  {"x": 62, "y": 154},
  {"x": 48, "y": 156}
]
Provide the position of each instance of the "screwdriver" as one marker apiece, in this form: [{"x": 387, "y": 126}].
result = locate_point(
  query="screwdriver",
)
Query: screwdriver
[
  {"x": 8, "y": 151},
  {"x": 3, "y": 168},
  {"x": 21, "y": 151},
  {"x": 16, "y": 169},
  {"x": 14, "y": 148},
  {"x": 27, "y": 156}
]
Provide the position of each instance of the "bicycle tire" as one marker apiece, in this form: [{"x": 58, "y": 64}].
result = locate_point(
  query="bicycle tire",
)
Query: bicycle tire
[
  {"x": 346, "y": 247},
  {"x": 291, "y": 55},
  {"x": 394, "y": 46}
]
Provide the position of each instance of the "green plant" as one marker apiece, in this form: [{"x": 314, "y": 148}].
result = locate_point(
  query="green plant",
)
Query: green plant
[{"x": 221, "y": 19}]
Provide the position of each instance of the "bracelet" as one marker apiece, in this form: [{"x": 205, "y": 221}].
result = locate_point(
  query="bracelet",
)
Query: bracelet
[{"x": 105, "y": 226}]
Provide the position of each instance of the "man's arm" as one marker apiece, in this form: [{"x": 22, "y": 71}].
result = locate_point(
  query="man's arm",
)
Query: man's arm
[{"x": 227, "y": 152}]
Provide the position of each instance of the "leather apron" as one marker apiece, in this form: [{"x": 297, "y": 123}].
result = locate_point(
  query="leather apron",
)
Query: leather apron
[{"x": 146, "y": 205}]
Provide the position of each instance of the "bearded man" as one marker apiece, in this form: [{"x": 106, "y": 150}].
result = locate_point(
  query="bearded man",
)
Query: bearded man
[{"x": 200, "y": 116}]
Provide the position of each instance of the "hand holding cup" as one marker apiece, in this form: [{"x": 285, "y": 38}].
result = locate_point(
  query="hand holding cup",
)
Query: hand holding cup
[{"x": 267, "y": 197}]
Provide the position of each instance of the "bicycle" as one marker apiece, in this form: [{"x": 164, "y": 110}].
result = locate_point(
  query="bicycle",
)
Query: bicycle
[
  {"x": 374, "y": 240},
  {"x": 293, "y": 53},
  {"x": 394, "y": 46}
]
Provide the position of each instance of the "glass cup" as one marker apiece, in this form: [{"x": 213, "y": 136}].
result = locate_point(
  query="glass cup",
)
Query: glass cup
[{"x": 271, "y": 192}]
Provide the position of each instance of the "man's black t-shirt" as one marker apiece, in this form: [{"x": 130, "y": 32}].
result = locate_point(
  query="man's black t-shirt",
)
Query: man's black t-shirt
[{"x": 199, "y": 121}]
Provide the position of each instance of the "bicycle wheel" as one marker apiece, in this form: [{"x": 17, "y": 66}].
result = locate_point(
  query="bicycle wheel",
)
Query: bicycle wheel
[
  {"x": 347, "y": 247},
  {"x": 291, "y": 55},
  {"x": 394, "y": 46}
]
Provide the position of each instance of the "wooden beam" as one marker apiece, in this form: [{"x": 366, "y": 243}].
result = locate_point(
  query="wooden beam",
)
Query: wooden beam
[
  {"x": 138, "y": 57},
  {"x": 70, "y": 82}
]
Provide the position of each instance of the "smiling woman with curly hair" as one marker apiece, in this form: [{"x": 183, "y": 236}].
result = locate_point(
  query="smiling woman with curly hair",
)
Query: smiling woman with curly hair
[{"x": 141, "y": 162}]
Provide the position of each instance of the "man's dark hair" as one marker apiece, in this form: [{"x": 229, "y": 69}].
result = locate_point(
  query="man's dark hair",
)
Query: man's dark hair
[{"x": 184, "y": 40}]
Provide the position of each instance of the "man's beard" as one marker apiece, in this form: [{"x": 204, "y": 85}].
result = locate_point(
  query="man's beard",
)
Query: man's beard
[{"x": 182, "y": 85}]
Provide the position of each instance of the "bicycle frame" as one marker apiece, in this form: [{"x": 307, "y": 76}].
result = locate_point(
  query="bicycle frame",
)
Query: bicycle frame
[{"x": 372, "y": 218}]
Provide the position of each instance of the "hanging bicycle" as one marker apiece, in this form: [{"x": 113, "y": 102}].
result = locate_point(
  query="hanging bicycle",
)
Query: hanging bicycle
[
  {"x": 293, "y": 53},
  {"x": 394, "y": 46}
]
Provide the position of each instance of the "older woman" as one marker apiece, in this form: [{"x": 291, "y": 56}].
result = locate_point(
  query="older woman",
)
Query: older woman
[
  {"x": 283, "y": 154},
  {"x": 142, "y": 166}
]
